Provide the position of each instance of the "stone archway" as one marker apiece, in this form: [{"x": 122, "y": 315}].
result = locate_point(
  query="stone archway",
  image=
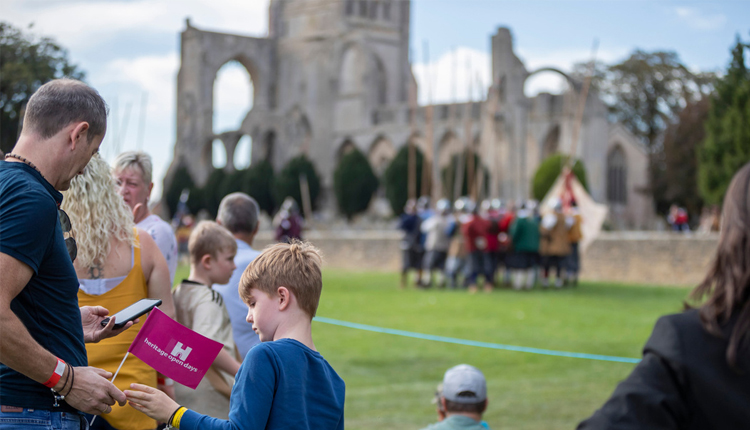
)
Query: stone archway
[
  {"x": 572, "y": 83},
  {"x": 448, "y": 146},
  {"x": 381, "y": 154},
  {"x": 229, "y": 105}
]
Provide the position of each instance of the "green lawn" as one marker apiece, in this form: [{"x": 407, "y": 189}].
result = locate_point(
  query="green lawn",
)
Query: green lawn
[{"x": 391, "y": 379}]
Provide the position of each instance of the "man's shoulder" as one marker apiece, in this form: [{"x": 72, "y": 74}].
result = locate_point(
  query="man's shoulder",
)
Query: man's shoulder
[
  {"x": 21, "y": 186},
  {"x": 245, "y": 255},
  {"x": 456, "y": 422}
]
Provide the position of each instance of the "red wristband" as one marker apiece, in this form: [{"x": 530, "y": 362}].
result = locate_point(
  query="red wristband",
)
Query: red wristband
[{"x": 56, "y": 375}]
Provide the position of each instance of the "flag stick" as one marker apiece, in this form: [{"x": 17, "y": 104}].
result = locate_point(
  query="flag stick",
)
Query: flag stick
[{"x": 112, "y": 381}]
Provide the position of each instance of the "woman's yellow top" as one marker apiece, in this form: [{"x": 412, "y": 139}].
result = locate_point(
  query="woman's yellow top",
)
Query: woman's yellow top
[{"x": 108, "y": 353}]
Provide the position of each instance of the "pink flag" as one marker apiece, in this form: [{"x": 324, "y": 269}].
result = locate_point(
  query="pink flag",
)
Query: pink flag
[{"x": 174, "y": 350}]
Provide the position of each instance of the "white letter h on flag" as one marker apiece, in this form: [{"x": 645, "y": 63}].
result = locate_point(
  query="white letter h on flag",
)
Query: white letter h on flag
[{"x": 182, "y": 353}]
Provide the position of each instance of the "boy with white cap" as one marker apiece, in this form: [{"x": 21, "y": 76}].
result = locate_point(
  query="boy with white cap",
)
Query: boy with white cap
[{"x": 461, "y": 399}]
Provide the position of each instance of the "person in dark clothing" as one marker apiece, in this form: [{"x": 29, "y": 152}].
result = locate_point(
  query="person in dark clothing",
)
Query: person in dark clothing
[
  {"x": 695, "y": 372},
  {"x": 411, "y": 243}
]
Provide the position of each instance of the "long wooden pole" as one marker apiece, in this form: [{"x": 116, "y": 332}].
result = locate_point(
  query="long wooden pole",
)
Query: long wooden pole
[
  {"x": 428, "y": 135},
  {"x": 582, "y": 106},
  {"x": 412, "y": 156},
  {"x": 469, "y": 141}
]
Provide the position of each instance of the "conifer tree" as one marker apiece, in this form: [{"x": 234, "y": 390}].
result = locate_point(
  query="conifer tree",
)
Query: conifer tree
[{"x": 727, "y": 145}]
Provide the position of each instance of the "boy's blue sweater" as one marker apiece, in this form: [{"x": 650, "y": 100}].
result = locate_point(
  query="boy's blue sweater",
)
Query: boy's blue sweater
[{"x": 280, "y": 385}]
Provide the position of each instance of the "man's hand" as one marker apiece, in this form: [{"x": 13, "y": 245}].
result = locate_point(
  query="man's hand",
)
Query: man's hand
[
  {"x": 92, "y": 392},
  {"x": 93, "y": 332},
  {"x": 152, "y": 402}
]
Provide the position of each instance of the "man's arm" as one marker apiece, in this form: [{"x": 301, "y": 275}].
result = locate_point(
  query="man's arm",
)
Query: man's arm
[{"x": 90, "y": 392}]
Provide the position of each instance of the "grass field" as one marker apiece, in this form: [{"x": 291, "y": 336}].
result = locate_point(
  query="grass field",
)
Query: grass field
[{"x": 391, "y": 379}]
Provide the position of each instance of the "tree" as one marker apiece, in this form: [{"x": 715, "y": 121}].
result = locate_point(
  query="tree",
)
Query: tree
[
  {"x": 354, "y": 183},
  {"x": 646, "y": 93},
  {"x": 396, "y": 178},
  {"x": 727, "y": 144},
  {"x": 647, "y": 90},
  {"x": 449, "y": 176},
  {"x": 549, "y": 171},
  {"x": 287, "y": 182},
  {"x": 26, "y": 63},
  {"x": 182, "y": 181},
  {"x": 211, "y": 192},
  {"x": 673, "y": 169},
  {"x": 231, "y": 183},
  {"x": 257, "y": 182}
]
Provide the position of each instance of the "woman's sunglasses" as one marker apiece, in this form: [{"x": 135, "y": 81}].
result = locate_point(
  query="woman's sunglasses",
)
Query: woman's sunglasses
[{"x": 70, "y": 242}]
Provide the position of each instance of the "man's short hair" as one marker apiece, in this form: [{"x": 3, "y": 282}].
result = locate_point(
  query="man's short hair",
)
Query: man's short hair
[
  {"x": 294, "y": 265},
  {"x": 61, "y": 102},
  {"x": 239, "y": 213},
  {"x": 132, "y": 159},
  {"x": 472, "y": 408},
  {"x": 209, "y": 238}
]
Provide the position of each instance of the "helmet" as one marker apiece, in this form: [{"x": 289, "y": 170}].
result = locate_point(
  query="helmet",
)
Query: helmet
[
  {"x": 423, "y": 203},
  {"x": 289, "y": 205},
  {"x": 410, "y": 206},
  {"x": 469, "y": 205},
  {"x": 443, "y": 206},
  {"x": 459, "y": 205}
]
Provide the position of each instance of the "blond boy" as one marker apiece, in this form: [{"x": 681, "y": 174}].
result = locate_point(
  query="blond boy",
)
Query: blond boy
[
  {"x": 283, "y": 381},
  {"x": 212, "y": 249}
]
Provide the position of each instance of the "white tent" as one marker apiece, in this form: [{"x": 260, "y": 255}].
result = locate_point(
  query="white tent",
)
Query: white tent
[{"x": 592, "y": 213}]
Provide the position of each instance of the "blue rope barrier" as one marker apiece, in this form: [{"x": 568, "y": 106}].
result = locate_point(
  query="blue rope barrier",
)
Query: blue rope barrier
[{"x": 475, "y": 343}]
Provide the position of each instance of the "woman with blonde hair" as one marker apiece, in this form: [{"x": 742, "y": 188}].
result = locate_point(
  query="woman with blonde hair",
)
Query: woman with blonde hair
[
  {"x": 695, "y": 368},
  {"x": 117, "y": 265}
]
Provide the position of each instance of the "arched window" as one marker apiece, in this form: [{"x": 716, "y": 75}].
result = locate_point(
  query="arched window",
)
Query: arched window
[
  {"x": 381, "y": 154},
  {"x": 380, "y": 85},
  {"x": 617, "y": 175},
  {"x": 243, "y": 152},
  {"x": 363, "y": 8},
  {"x": 233, "y": 96},
  {"x": 349, "y": 7},
  {"x": 350, "y": 79},
  {"x": 218, "y": 154},
  {"x": 374, "y": 9}
]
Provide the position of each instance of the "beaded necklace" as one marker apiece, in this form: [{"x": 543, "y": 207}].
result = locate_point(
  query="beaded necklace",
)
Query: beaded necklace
[{"x": 24, "y": 161}]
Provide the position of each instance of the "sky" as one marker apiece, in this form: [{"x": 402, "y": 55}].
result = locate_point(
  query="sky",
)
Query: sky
[{"x": 130, "y": 49}]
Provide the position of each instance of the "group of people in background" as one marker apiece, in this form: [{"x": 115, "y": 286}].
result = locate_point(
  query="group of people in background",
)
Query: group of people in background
[{"x": 465, "y": 245}]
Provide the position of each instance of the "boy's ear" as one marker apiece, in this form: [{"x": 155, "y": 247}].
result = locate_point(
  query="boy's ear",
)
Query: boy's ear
[
  {"x": 206, "y": 261},
  {"x": 284, "y": 296}
]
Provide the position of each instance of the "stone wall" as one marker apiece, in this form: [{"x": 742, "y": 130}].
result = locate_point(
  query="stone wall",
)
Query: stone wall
[{"x": 653, "y": 258}]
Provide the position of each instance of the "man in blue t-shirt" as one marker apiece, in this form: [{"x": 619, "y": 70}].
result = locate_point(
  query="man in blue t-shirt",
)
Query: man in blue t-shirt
[
  {"x": 240, "y": 214},
  {"x": 43, "y": 365}
]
